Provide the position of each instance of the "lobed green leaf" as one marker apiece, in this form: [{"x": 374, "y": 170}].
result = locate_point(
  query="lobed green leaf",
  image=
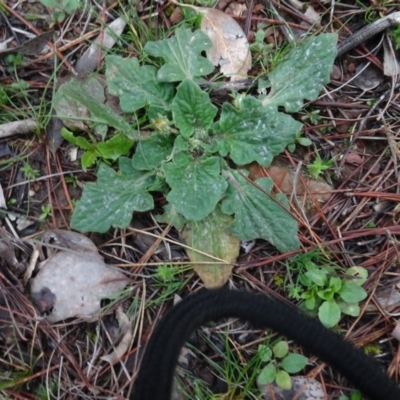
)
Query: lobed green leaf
[
  {"x": 151, "y": 152},
  {"x": 118, "y": 145},
  {"x": 302, "y": 73},
  {"x": 79, "y": 141},
  {"x": 258, "y": 214},
  {"x": 182, "y": 55},
  {"x": 254, "y": 132},
  {"x": 196, "y": 185},
  {"x": 111, "y": 201},
  {"x": 192, "y": 109},
  {"x": 137, "y": 86}
]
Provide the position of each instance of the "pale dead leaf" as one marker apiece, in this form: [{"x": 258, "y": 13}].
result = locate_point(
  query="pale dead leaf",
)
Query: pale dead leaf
[
  {"x": 23, "y": 223},
  {"x": 98, "y": 49},
  {"x": 230, "y": 48},
  {"x": 3, "y": 203},
  {"x": 368, "y": 76},
  {"x": 391, "y": 64},
  {"x": 211, "y": 236},
  {"x": 388, "y": 299},
  {"x": 303, "y": 388},
  {"x": 396, "y": 331},
  {"x": 32, "y": 47},
  {"x": 67, "y": 240},
  {"x": 72, "y": 283}
]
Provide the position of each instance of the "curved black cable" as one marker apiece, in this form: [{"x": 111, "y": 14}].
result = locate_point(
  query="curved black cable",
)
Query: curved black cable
[{"x": 154, "y": 380}]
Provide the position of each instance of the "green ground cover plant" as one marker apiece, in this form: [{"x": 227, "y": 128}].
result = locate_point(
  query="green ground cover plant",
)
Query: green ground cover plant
[
  {"x": 324, "y": 289},
  {"x": 280, "y": 363},
  {"x": 191, "y": 150}
]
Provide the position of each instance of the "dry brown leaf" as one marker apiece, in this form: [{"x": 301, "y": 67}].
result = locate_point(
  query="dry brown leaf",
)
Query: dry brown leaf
[
  {"x": 353, "y": 158},
  {"x": 230, "y": 48},
  {"x": 176, "y": 16},
  {"x": 32, "y": 47},
  {"x": 285, "y": 179}
]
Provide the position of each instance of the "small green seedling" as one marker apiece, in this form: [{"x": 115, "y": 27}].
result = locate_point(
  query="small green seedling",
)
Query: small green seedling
[
  {"x": 372, "y": 349},
  {"x": 260, "y": 49},
  {"x": 46, "y": 211},
  {"x": 13, "y": 61},
  {"x": 356, "y": 395},
  {"x": 61, "y": 8},
  {"x": 112, "y": 149},
  {"x": 299, "y": 139},
  {"x": 312, "y": 116},
  {"x": 325, "y": 291},
  {"x": 168, "y": 279},
  {"x": 318, "y": 166},
  {"x": 29, "y": 172},
  {"x": 47, "y": 391},
  {"x": 229, "y": 364},
  {"x": 280, "y": 363}
]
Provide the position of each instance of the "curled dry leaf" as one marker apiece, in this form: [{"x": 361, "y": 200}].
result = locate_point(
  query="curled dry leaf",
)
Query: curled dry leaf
[
  {"x": 368, "y": 77},
  {"x": 7, "y": 253},
  {"x": 230, "y": 48},
  {"x": 391, "y": 64},
  {"x": 126, "y": 329}
]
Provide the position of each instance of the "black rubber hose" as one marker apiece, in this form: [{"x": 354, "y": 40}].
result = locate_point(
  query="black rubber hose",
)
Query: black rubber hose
[{"x": 154, "y": 380}]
